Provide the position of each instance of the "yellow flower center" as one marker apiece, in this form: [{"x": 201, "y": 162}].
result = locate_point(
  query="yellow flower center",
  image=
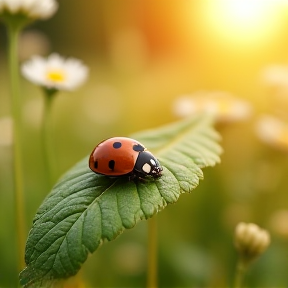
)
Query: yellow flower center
[{"x": 56, "y": 76}]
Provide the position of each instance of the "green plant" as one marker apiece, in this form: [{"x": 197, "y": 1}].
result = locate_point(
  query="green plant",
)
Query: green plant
[{"x": 85, "y": 209}]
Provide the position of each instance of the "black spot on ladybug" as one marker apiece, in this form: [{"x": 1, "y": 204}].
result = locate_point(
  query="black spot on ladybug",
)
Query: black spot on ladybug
[
  {"x": 111, "y": 164},
  {"x": 117, "y": 145},
  {"x": 96, "y": 164},
  {"x": 138, "y": 148}
]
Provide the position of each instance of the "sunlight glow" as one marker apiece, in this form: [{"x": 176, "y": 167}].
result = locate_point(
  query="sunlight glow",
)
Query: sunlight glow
[
  {"x": 241, "y": 12},
  {"x": 243, "y": 21}
]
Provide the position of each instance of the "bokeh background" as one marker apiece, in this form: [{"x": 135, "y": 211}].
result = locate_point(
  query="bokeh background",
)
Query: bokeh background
[{"x": 143, "y": 57}]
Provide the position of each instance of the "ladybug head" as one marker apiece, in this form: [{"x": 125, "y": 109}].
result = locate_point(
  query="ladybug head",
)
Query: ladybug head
[{"x": 147, "y": 164}]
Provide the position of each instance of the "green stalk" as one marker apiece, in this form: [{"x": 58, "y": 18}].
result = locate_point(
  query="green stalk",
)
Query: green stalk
[
  {"x": 240, "y": 272},
  {"x": 48, "y": 154},
  {"x": 152, "y": 253},
  {"x": 13, "y": 34}
]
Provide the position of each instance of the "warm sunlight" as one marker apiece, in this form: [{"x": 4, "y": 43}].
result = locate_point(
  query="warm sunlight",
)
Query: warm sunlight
[
  {"x": 241, "y": 12},
  {"x": 243, "y": 21}
]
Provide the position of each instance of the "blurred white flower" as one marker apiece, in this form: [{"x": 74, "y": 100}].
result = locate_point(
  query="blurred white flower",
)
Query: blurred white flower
[
  {"x": 251, "y": 240},
  {"x": 272, "y": 131},
  {"x": 55, "y": 72},
  {"x": 221, "y": 105},
  {"x": 184, "y": 106},
  {"x": 33, "y": 9},
  {"x": 276, "y": 76}
]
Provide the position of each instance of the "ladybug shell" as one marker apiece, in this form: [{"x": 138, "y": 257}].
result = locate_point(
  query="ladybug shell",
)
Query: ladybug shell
[{"x": 115, "y": 156}]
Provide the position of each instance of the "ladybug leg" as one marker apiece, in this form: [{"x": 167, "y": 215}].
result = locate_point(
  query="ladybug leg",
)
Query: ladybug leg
[
  {"x": 131, "y": 178},
  {"x": 136, "y": 176},
  {"x": 141, "y": 179}
]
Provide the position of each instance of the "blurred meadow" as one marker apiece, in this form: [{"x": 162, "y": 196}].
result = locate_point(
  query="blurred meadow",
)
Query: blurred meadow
[{"x": 151, "y": 63}]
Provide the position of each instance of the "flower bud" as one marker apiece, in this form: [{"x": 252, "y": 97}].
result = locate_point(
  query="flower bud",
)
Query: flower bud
[{"x": 251, "y": 240}]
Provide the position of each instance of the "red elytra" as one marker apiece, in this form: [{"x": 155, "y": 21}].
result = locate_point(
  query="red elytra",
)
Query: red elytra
[{"x": 115, "y": 156}]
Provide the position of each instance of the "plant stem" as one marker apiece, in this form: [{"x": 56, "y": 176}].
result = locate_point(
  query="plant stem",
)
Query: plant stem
[
  {"x": 46, "y": 136},
  {"x": 152, "y": 253},
  {"x": 239, "y": 273},
  {"x": 13, "y": 33}
]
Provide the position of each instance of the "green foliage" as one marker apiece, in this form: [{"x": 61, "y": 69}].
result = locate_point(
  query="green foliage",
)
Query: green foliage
[{"x": 85, "y": 209}]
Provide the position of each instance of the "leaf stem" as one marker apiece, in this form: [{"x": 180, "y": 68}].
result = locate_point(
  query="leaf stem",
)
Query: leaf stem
[
  {"x": 13, "y": 34},
  {"x": 46, "y": 136},
  {"x": 152, "y": 253}
]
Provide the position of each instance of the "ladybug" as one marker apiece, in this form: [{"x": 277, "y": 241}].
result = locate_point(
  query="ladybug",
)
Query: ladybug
[{"x": 122, "y": 156}]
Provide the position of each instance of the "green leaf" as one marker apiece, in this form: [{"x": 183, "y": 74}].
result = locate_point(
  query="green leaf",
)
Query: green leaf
[{"x": 84, "y": 209}]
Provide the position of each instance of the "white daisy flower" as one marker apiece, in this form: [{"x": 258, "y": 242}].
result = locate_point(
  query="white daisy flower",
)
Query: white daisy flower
[
  {"x": 221, "y": 105},
  {"x": 273, "y": 131},
  {"x": 33, "y": 9},
  {"x": 55, "y": 72}
]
